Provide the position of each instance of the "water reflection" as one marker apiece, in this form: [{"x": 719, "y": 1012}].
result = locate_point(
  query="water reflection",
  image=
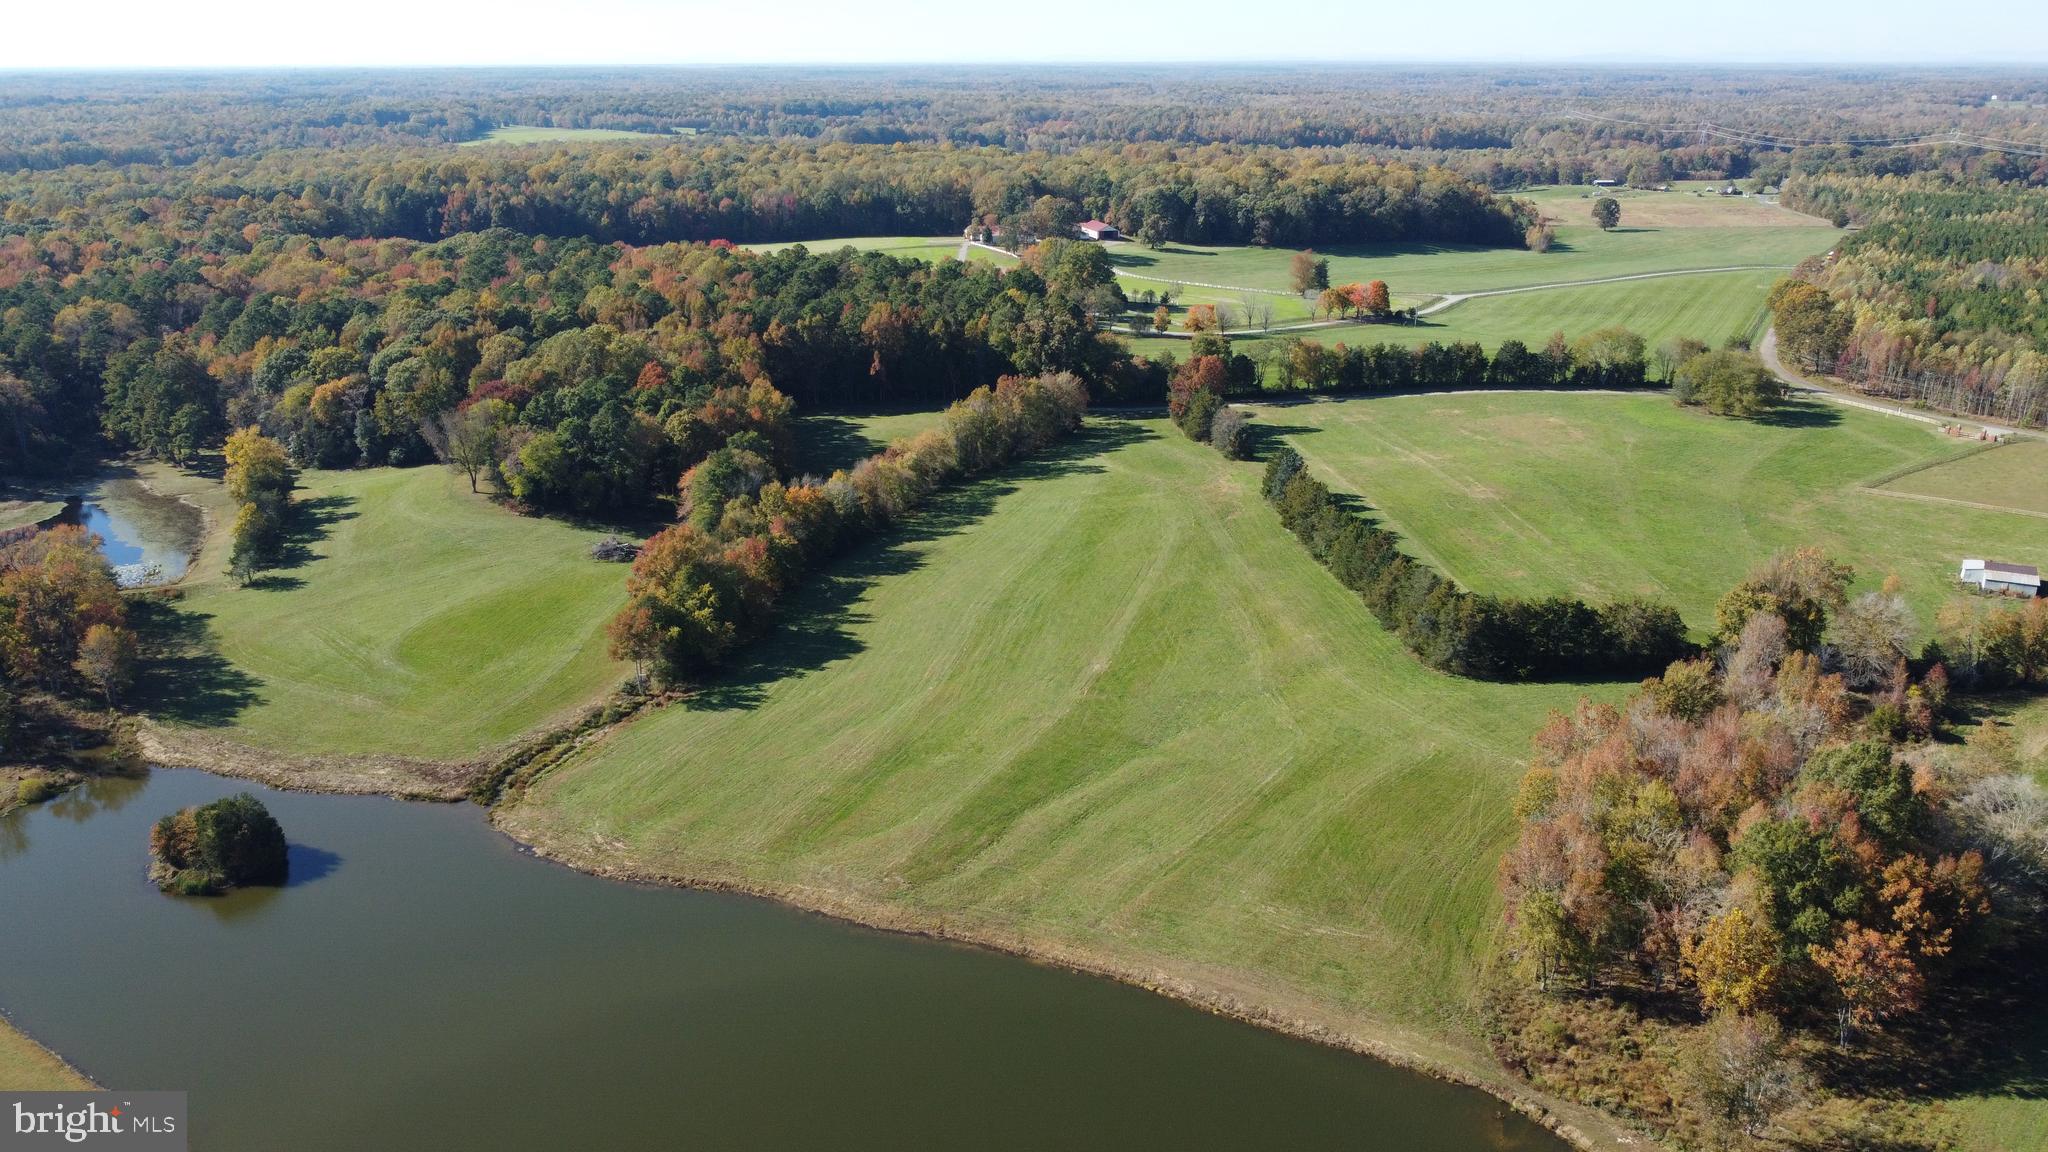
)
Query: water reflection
[
  {"x": 96, "y": 795},
  {"x": 148, "y": 538}
]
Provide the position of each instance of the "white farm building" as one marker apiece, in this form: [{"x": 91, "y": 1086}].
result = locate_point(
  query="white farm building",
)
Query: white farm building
[{"x": 1998, "y": 576}]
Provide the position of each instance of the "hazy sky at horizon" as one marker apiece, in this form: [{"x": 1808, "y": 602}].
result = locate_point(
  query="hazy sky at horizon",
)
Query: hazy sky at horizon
[{"x": 265, "y": 33}]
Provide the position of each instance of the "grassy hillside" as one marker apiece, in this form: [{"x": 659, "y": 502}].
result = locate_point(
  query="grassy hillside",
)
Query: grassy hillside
[
  {"x": 1107, "y": 703},
  {"x": 1597, "y": 495},
  {"x": 418, "y": 620}
]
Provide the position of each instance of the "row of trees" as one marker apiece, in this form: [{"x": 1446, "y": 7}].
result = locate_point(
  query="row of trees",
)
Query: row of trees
[
  {"x": 702, "y": 588},
  {"x": 1756, "y": 836},
  {"x": 1461, "y": 632},
  {"x": 1608, "y": 358}
]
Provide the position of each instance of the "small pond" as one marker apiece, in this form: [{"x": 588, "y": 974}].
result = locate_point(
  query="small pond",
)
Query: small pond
[{"x": 148, "y": 538}]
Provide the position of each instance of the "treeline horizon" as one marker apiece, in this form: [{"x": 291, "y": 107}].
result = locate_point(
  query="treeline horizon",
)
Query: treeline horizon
[{"x": 1505, "y": 112}]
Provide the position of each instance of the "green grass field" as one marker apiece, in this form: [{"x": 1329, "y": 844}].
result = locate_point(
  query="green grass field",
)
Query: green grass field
[
  {"x": 424, "y": 621},
  {"x": 536, "y": 134},
  {"x": 1533, "y": 493},
  {"x": 1711, "y": 307},
  {"x": 826, "y": 442},
  {"x": 931, "y": 249},
  {"x": 1582, "y": 252},
  {"x": 2012, "y": 475},
  {"x": 1107, "y": 703}
]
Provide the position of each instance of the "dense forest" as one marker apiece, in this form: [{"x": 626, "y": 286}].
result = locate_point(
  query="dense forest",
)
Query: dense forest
[
  {"x": 583, "y": 376},
  {"x": 1938, "y": 288},
  {"x": 787, "y": 190}
]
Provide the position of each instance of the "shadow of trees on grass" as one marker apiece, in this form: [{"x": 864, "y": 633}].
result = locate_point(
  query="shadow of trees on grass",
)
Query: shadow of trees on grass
[
  {"x": 310, "y": 522},
  {"x": 184, "y": 678},
  {"x": 818, "y": 622}
]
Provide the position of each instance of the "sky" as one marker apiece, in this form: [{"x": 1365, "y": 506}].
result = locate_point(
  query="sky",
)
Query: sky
[{"x": 281, "y": 33}]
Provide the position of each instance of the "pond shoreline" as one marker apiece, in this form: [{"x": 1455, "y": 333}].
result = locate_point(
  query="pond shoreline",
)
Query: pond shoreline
[
  {"x": 1236, "y": 996},
  {"x": 1579, "y": 1126}
]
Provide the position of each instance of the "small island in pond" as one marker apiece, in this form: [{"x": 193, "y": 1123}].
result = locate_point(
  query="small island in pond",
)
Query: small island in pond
[{"x": 208, "y": 849}]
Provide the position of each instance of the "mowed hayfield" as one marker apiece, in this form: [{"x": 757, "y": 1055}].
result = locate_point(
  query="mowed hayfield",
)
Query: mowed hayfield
[
  {"x": 1103, "y": 702},
  {"x": 1581, "y": 252},
  {"x": 417, "y": 619},
  {"x": 2013, "y": 475},
  {"x": 1598, "y": 495},
  {"x": 1712, "y": 307},
  {"x": 930, "y": 249}
]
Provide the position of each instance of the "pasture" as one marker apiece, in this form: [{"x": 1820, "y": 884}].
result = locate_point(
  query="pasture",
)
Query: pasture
[
  {"x": 2009, "y": 476},
  {"x": 1599, "y": 495},
  {"x": 1711, "y": 307},
  {"x": 1104, "y": 702},
  {"x": 413, "y": 619},
  {"x": 1581, "y": 252}
]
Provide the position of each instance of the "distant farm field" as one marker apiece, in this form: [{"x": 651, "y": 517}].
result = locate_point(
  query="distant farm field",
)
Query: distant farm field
[
  {"x": 1107, "y": 702},
  {"x": 1711, "y": 307},
  {"x": 1583, "y": 252},
  {"x": 420, "y": 621},
  {"x": 1596, "y": 495},
  {"x": 2013, "y": 475},
  {"x": 931, "y": 249},
  {"x": 536, "y": 134}
]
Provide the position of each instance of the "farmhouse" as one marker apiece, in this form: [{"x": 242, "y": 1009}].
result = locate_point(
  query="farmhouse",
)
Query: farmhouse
[
  {"x": 1097, "y": 230},
  {"x": 1998, "y": 576}
]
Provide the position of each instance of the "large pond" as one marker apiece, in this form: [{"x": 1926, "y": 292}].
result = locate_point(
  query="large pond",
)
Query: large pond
[
  {"x": 422, "y": 983},
  {"x": 148, "y": 538}
]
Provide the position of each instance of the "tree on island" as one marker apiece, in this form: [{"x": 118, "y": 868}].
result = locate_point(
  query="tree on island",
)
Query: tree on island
[
  {"x": 1606, "y": 212},
  {"x": 212, "y": 848}
]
